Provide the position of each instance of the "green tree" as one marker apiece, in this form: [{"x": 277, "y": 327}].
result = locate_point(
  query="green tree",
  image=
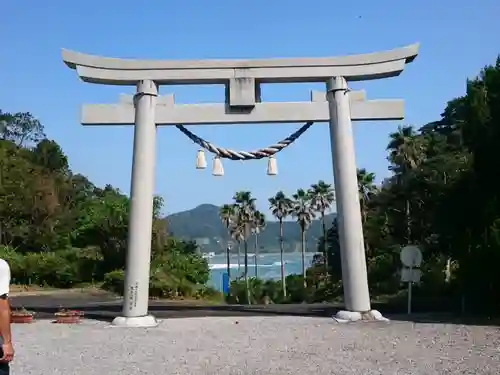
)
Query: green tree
[
  {"x": 59, "y": 229},
  {"x": 245, "y": 210},
  {"x": 103, "y": 222},
  {"x": 281, "y": 206},
  {"x": 407, "y": 152},
  {"x": 236, "y": 231},
  {"x": 227, "y": 212},
  {"x": 227, "y": 217},
  {"x": 258, "y": 224},
  {"x": 49, "y": 155},
  {"x": 21, "y": 128},
  {"x": 366, "y": 190},
  {"x": 304, "y": 214},
  {"x": 322, "y": 198}
]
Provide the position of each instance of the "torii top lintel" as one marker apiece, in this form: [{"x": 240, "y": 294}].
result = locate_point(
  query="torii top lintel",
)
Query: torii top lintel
[{"x": 113, "y": 71}]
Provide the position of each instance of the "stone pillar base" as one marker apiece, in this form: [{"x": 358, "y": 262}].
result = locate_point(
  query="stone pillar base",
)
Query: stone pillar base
[
  {"x": 146, "y": 321},
  {"x": 354, "y": 316}
]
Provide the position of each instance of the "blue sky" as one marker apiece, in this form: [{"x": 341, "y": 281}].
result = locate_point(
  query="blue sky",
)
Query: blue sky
[{"x": 457, "y": 39}]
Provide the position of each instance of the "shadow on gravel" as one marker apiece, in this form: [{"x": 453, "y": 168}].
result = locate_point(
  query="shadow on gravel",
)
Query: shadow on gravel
[
  {"x": 106, "y": 308},
  {"x": 446, "y": 318}
]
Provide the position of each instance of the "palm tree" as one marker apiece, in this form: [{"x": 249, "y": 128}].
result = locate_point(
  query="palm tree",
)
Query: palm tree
[
  {"x": 281, "y": 206},
  {"x": 304, "y": 213},
  {"x": 226, "y": 214},
  {"x": 366, "y": 185},
  {"x": 245, "y": 209},
  {"x": 258, "y": 224},
  {"x": 366, "y": 189},
  {"x": 322, "y": 198},
  {"x": 236, "y": 232},
  {"x": 407, "y": 151}
]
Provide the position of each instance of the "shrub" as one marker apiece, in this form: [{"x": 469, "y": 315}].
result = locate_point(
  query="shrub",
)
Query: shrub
[
  {"x": 383, "y": 276},
  {"x": 16, "y": 263},
  {"x": 261, "y": 290},
  {"x": 173, "y": 274},
  {"x": 191, "y": 267},
  {"x": 62, "y": 269},
  {"x": 114, "y": 281},
  {"x": 209, "y": 293},
  {"x": 296, "y": 292}
]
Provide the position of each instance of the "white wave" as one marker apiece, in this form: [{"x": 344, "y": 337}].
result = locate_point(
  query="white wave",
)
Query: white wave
[{"x": 220, "y": 266}]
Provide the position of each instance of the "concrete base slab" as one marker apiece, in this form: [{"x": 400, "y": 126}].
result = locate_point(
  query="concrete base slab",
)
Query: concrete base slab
[
  {"x": 146, "y": 321},
  {"x": 354, "y": 316}
]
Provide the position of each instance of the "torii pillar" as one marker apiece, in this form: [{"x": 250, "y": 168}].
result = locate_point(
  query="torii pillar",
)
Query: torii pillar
[
  {"x": 242, "y": 79},
  {"x": 354, "y": 273}
]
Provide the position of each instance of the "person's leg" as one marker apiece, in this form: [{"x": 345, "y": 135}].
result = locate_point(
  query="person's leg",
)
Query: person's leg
[{"x": 4, "y": 369}]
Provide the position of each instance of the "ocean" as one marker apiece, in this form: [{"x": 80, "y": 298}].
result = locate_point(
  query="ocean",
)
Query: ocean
[{"x": 268, "y": 266}]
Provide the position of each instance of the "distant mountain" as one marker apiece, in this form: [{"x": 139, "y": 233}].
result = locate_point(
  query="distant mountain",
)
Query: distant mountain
[{"x": 203, "y": 225}]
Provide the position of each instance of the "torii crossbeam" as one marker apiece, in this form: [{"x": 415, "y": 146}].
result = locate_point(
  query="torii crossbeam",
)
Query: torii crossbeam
[
  {"x": 242, "y": 79},
  {"x": 169, "y": 113}
]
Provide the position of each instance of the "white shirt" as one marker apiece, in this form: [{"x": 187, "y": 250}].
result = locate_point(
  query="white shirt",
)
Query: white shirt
[
  {"x": 4, "y": 282},
  {"x": 4, "y": 277}
]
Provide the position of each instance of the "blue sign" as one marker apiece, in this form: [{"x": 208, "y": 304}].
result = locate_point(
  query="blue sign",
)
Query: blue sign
[{"x": 225, "y": 283}]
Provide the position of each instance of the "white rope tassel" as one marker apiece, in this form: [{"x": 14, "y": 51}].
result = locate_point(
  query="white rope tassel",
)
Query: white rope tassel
[
  {"x": 272, "y": 166},
  {"x": 217, "y": 169},
  {"x": 201, "y": 161}
]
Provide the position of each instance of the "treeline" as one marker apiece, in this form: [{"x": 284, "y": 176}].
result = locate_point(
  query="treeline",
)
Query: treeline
[
  {"x": 58, "y": 229},
  {"x": 244, "y": 221},
  {"x": 203, "y": 222},
  {"x": 443, "y": 196}
]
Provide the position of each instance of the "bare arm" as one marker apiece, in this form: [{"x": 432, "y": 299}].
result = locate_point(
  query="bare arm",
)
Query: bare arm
[
  {"x": 5, "y": 320},
  {"x": 8, "y": 351}
]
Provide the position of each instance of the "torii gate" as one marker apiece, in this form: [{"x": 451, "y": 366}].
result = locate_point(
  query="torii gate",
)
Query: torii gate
[{"x": 242, "y": 79}]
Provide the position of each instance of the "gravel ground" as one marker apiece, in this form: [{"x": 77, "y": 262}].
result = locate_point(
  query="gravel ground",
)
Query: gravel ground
[{"x": 256, "y": 345}]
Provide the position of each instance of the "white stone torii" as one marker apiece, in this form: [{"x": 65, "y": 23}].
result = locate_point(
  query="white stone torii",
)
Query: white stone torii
[{"x": 242, "y": 79}]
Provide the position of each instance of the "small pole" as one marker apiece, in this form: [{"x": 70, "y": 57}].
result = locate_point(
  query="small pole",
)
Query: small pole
[
  {"x": 239, "y": 256},
  {"x": 256, "y": 251},
  {"x": 228, "y": 260},
  {"x": 410, "y": 284},
  {"x": 256, "y": 265}
]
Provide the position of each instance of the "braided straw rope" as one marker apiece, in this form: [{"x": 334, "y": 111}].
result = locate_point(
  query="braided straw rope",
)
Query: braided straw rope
[{"x": 245, "y": 155}]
